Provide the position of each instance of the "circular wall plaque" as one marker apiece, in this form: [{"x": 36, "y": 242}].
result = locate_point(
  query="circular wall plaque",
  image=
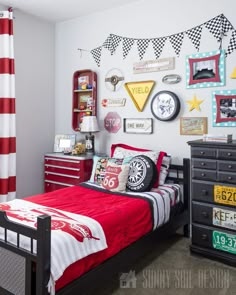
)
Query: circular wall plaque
[{"x": 165, "y": 105}]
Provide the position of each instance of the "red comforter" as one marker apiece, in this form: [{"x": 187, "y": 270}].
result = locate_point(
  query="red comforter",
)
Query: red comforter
[{"x": 124, "y": 220}]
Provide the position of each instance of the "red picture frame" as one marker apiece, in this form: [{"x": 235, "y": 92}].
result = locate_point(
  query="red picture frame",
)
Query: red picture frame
[
  {"x": 205, "y": 69},
  {"x": 225, "y": 108}
]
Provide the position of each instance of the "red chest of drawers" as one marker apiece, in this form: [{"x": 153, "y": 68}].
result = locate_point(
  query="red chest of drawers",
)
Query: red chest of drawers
[{"x": 61, "y": 170}]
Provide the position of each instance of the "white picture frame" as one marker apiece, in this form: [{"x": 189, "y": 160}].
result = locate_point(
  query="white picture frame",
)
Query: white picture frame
[{"x": 64, "y": 142}]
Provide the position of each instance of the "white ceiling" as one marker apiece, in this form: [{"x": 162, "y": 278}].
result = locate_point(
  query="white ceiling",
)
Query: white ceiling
[{"x": 61, "y": 10}]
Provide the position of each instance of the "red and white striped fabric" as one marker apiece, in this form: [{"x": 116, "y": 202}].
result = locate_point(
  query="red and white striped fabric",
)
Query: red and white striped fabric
[{"x": 7, "y": 109}]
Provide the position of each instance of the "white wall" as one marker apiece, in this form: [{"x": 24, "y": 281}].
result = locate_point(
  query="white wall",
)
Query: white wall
[
  {"x": 34, "y": 67},
  {"x": 143, "y": 19}
]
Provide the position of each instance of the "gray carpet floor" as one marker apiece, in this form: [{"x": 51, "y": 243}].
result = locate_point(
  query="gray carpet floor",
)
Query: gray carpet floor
[{"x": 171, "y": 269}]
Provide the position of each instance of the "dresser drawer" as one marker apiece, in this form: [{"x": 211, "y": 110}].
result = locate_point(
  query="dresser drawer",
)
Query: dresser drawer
[
  {"x": 214, "y": 238},
  {"x": 62, "y": 162},
  {"x": 202, "y": 213},
  {"x": 214, "y": 215},
  {"x": 227, "y": 166},
  {"x": 203, "y": 152},
  {"x": 204, "y": 174},
  {"x": 63, "y": 179},
  {"x": 63, "y": 170},
  {"x": 227, "y": 154},
  {"x": 203, "y": 192},
  {"x": 50, "y": 186},
  {"x": 204, "y": 163},
  {"x": 227, "y": 177}
]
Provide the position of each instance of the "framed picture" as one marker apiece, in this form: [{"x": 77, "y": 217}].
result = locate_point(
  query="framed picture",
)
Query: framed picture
[
  {"x": 64, "y": 143},
  {"x": 224, "y": 108},
  {"x": 193, "y": 125},
  {"x": 138, "y": 126},
  {"x": 205, "y": 69}
]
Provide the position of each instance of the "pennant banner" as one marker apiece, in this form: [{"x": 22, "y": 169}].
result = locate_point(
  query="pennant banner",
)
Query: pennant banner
[{"x": 217, "y": 26}]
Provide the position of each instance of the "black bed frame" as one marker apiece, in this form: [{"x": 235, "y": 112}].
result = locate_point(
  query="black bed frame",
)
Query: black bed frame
[{"x": 24, "y": 273}]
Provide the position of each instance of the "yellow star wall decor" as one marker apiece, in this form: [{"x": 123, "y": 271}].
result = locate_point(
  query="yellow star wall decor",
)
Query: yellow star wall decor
[{"x": 194, "y": 104}]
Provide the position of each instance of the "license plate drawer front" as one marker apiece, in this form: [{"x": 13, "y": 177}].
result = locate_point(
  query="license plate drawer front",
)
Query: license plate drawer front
[{"x": 225, "y": 195}]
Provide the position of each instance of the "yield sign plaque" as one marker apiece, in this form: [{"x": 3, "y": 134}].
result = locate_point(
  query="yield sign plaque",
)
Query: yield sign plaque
[{"x": 139, "y": 92}]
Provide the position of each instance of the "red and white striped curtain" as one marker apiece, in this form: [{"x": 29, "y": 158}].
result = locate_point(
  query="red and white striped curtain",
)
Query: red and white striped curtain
[{"x": 7, "y": 109}]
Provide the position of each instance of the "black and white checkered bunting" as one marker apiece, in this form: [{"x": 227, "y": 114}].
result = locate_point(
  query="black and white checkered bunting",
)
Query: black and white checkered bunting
[
  {"x": 115, "y": 40},
  {"x": 108, "y": 43},
  {"x": 142, "y": 45},
  {"x": 226, "y": 25},
  {"x": 232, "y": 44},
  {"x": 96, "y": 53},
  {"x": 176, "y": 42},
  {"x": 215, "y": 27},
  {"x": 195, "y": 35},
  {"x": 127, "y": 44},
  {"x": 158, "y": 45}
]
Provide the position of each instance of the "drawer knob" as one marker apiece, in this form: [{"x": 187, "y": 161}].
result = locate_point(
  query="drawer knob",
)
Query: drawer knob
[
  {"x": 203, "y": 174},
  {"x": 202, "y": 153},
  {"x": 230, "y": 166},
  {"x": 205, "y": 214},
  {"x": 229, "y": 177},
  {"x": 229, "y": 154},
  {"x": 204, "y": 237},
  {"x": 203, "y": 164},
  {"x": 204, "y": 192}
]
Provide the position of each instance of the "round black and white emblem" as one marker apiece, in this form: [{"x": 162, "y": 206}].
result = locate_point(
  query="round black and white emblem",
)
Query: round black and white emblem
[{"x": 142, "y": 174}]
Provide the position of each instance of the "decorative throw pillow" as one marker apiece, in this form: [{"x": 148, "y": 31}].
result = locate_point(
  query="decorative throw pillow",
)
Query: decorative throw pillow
[
  {"x": 142, "y": 174},
  {"x": 115, "y": 177},
  {"x": 156, "y": 156},
  {"x": 164, "y": 169},
  {"x": 99, "y": 167}
]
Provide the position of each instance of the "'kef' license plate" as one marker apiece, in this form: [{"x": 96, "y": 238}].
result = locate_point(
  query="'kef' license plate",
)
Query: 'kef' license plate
[
  {"x": 224, "y": 218},
  {"x": 224, "y": 242},
  {"x": 225, "y": 195}
]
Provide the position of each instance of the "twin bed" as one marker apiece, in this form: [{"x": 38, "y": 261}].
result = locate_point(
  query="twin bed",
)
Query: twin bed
[{"x": 73, "y": 240}]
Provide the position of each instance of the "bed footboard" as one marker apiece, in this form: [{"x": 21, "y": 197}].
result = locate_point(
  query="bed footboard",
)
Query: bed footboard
[{"x": 24, "y": 272}]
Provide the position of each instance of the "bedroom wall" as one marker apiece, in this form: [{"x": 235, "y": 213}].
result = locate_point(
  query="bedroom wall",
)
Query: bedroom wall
[
  {"x": 34, "y": 68},
  {"x": 142, "y": 19}
]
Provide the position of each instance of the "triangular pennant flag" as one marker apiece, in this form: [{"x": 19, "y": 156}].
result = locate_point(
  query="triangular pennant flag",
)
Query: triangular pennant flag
[
  {"x": 177, "y": 41},
  {"x": 142, "y": 47},
  {"x": 127, "y": 44},
  {"x": 96, "y": 53},
  {"x": 215, "y": 27},
  {"x": 233, "y": 75},
  {"x": 139, "y": 92},
  {"x": 232, "y": 43},
  {"x": 195, "y": 36},
  {"x": 108, "y": 44},
  {"x": 115, "y": 40},
  {"x": 226, "y": 25},
  {"x": 158, "y": 45}
]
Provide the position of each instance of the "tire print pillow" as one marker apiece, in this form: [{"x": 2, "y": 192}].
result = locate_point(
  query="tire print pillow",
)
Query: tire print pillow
[{"x": 142, "y": 174}]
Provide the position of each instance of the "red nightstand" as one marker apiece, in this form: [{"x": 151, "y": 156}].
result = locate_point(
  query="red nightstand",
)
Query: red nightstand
[{"x": 61, "y": 170}]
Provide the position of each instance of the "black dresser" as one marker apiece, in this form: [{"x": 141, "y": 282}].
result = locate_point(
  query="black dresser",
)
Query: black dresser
[{"x": 213, "y": 191}]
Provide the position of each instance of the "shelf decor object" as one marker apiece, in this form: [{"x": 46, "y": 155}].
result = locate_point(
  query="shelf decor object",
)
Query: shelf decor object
[
  {"x": 84, "y": 96},
  {"x": 89, "y": 125}
]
